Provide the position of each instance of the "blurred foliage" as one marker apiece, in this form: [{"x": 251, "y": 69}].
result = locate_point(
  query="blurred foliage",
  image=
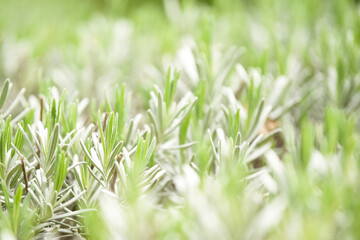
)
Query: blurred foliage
[{"x": 251, "y": 133}]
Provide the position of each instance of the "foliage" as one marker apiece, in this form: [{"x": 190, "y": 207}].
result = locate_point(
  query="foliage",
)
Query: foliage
[{"x": 251, "y": 133}]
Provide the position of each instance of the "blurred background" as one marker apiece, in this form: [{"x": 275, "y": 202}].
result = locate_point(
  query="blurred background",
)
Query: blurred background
[{"x": 86, "y": 46}]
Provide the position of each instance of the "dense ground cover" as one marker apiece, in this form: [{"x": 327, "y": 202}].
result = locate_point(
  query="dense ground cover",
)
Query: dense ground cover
[{"x": 179, "y": 119}]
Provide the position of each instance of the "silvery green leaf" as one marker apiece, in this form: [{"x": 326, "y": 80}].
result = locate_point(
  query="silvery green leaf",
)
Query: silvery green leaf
[{"x": 4, "y": 92}]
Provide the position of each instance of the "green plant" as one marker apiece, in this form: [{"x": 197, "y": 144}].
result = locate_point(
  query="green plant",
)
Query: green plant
[{"x": 252, "y": 133}]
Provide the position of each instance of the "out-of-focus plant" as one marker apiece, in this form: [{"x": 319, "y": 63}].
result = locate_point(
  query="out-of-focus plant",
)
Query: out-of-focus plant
[{"x": 254, "y": 136}]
